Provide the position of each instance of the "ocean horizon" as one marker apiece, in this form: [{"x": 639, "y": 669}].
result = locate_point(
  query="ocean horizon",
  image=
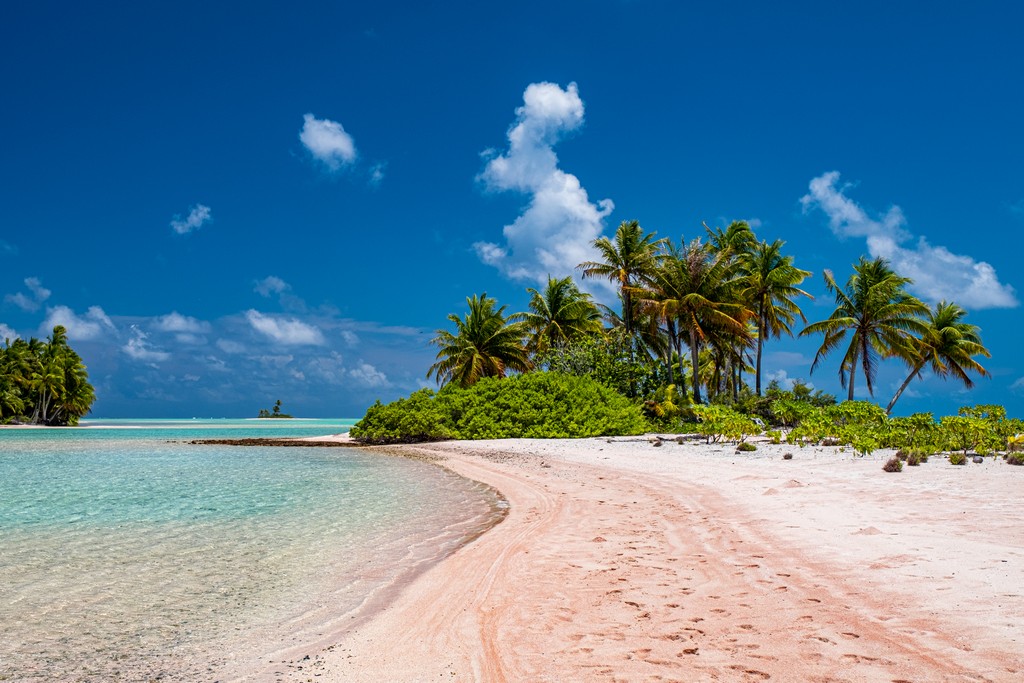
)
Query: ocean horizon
[{"x": 128, "y": 553}]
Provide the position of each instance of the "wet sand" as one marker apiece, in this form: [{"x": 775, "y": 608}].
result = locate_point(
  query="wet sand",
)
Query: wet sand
[{"x": 621, "y": 561}]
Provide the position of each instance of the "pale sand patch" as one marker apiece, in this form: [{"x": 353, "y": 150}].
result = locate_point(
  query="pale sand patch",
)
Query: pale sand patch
[{"x": 622, "y": 561}]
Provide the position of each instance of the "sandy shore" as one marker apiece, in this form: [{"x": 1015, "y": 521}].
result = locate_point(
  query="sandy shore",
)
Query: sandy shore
[{"x": 620, "y": 561}]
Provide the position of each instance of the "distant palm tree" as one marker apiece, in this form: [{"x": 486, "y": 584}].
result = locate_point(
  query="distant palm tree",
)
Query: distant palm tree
[
  {"x": 628, "y": 262},
  {"x": 737, "y": 238},
  {"x": 770, "y": 285},
  {"x": 558, "y": 315},
  {"x": 878, "y": 314},
  {"x": 948, "y": 346},
  {"x": 483, "y": 345}
]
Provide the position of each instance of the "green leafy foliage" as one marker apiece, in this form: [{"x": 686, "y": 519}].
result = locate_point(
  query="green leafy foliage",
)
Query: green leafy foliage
[
  {"x": 719, "y": 422},
  {"x": 43, "y": 382},
  {"x": 616, "y": 360},
  {"x": 535, "y": 405}
]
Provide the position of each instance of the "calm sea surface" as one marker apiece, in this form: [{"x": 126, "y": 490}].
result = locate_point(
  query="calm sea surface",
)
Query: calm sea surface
[{"x": 128, "y": 554}]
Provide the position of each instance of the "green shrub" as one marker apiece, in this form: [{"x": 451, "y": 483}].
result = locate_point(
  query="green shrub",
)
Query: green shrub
[
  {"x": 746, "y": 447},
  {"x": 913, "y": 459},
  {"x": 1015, "y": 459},
  {"x": 957, "y": 459},
  {"x": 534, "y": 405},
  {"x": 718, "y": 422},
  {"x": 774, "y": 435}
]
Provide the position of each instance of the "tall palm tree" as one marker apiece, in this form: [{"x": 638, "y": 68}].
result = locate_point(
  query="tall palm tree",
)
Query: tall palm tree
[
  {"x": 738, "y": 238},
  {"x": 484, "y": 344},
  {"x": 770, "y": 285},
  {"x": 948, "y": 347},
  {"x": 627, "y": 262},
  {"x": 877, "y": 313},
  {"x": 696, "y": 287},
  {"x": 558, "y": 315}
]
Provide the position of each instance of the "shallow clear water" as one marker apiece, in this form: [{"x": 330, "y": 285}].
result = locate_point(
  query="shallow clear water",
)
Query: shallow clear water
[{"x": 128, "y": 554}]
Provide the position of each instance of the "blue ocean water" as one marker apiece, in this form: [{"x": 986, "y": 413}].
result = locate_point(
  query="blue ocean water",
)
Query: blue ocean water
[{"x": 127, "y": 553}]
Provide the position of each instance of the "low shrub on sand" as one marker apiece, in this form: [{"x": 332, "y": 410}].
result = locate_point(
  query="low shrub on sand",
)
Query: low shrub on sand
[
  {"x": 957, "y": 459},
  {"x": 893, "y": 464}
]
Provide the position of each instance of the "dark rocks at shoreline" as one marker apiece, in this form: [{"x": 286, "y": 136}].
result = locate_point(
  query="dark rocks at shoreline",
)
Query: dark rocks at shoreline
[{"x": 300, "y": 443}]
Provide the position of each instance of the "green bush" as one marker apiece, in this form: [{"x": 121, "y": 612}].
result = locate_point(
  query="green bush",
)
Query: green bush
[
  {"x": 534, "y": 405},
  {"x": 957, "y": 459},
  {"x": 746, "y": 447},
  {"x": 718, "y": 422}
]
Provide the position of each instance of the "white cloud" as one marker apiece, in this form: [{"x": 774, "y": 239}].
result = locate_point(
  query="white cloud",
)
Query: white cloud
[
  {"x": 554, "y": 234},
  {"x": 785, "y": 381},
  {"x": 271, "y": 285},
  {"x": 368, "y": 376},
  {"x": 32, "y": 302},
  {"x": 8, "y": 248},
  {"x": 139, "y": 349},
  {"x": 377, "y": 174},
  {"x": 176, "y": 322},
  {"x": 328, "y": 142},
  {"x": 91, "y": 325},
  {"x": 351, "y": 339},
  {"x": 7, "y": 333},
  {"x": 937, "y": 272},
  {"x": 289, "y": 332},
  {"x": 229, "y": 346},
  {"x": 197, "y": 217}
]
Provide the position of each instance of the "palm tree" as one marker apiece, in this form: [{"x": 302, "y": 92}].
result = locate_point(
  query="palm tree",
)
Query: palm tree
[
  {"x": 628, "y": 262},
  {"x": 770, "y": 286},
  {"x": 695, "y": 288},
  {"x": 878, "y": 314},
  {"x": 948, "y": 346},
  {"x": 737, "y": 239},
  {"x": 484, "y": 345},
  {"x": 558, "y": 315}
]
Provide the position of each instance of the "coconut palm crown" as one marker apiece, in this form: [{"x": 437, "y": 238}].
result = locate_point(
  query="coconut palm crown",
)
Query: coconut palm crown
[
  {"x": 879, "y": 316},
  {"x": 558, "y": 315},
  {"x": 484, "y": 344},
  {"x": 947, "y": 347}
]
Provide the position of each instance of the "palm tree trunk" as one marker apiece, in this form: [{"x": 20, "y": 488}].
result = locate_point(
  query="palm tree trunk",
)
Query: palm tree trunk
[
  {"x": 694, "y": 353},
  {"x": 757, "y": 371},
  {"x": 906, "y": 383}
]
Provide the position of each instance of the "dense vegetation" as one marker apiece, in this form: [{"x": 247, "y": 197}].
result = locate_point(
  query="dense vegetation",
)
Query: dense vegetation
[
  {"x": 691, "y": 327},
  {"x": 43, "y": 382},
  {"x": 535, "y": 405}
]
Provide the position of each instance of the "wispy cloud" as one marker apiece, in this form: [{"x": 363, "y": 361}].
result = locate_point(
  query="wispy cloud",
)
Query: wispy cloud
[
  {"x": 377, "y": 173},
  {"x": 7, "y": 248},
  {"x": 7, "y": 333},
  {"x": 287, "y": 332},
  {"x": 139, "y": 349},
  {"x": 93, "y": 324},
  {"x": 368, "y": 376},
  {"x": 937, "y": 272},
  {"x": 556, "y": 230},
  {"x": 328, "y": 142},
  {"x": 34, "y": 299},
  {"x": 271, "y": 285},
  {"x": 198, "y": 216}
]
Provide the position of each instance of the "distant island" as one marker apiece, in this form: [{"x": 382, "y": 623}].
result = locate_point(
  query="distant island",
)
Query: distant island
[{"x": 275, "y": 412}]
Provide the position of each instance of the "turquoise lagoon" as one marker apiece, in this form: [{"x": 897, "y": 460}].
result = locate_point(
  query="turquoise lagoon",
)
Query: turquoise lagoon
[{"x": 127, "y": 553}]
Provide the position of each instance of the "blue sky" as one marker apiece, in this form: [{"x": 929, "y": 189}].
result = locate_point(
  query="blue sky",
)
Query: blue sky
[{"x": 233, "y": 203}]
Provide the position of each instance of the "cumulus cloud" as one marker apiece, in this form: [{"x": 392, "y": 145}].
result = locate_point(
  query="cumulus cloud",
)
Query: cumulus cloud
[
  {"x": 7, "y": 333},
  {"x": 138, "y": 348},
  {"x": 368, "y": 376},
  {"x": 197, "y": 217},
  {"x": 93, "y": 324},
  {"x": 328, "y": 142},
  {"x": 176, "y": 322},
  {"x": 555, "y": 231},
  {"x": 289, "y": 332},
  {"x": 937, "y": 272},
  {"x": 34, "y": 299}
]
